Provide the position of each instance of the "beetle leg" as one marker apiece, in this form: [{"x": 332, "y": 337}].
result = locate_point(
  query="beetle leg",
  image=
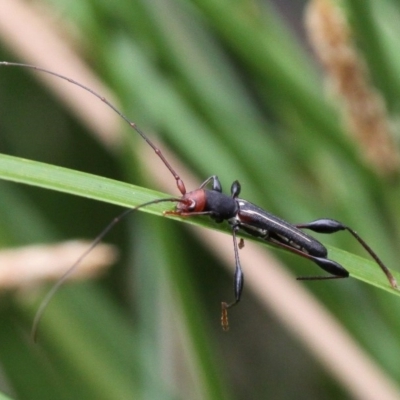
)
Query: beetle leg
[
  {"x": 327, "y": 225},
  {"x": 238, "y": 282}
]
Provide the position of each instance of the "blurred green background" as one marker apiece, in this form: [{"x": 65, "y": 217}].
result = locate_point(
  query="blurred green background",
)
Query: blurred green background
[{"x": 233, "y": 90}]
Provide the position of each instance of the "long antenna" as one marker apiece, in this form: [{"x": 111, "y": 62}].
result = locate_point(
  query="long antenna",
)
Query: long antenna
[
  {"x": 179, "y": 182},
  {"x": 103, "y": 233},
  {"x": 45, "y": 302}
]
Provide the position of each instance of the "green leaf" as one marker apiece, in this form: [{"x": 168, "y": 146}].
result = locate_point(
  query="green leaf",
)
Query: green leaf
[{"x": 110, "y": 191}]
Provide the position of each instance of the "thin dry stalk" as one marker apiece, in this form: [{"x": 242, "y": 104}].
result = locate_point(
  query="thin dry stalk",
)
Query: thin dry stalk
[
  {"x": 29, "y": 266},
  {"x": 363, "y": 107},
  {"x": 34, "y": 38}
]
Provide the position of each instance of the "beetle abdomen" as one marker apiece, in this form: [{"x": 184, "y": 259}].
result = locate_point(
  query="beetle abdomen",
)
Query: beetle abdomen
[{"x": 258, "y": 222}]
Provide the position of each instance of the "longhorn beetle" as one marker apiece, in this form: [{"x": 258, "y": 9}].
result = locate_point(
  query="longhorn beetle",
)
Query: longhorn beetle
[{"x": 240, "y": 214}]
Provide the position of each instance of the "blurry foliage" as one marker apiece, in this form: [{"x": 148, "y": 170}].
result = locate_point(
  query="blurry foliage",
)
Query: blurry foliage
[{"x": 233, "y": 92}]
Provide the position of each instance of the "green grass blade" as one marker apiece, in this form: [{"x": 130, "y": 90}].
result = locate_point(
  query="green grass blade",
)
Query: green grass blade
[
  {"x": 126, "y": 195},
  {"x": 74, "y": 182}
]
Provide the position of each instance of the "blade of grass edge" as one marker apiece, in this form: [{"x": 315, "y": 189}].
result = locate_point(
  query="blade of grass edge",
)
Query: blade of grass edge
[{"x": 104, "y": 189}]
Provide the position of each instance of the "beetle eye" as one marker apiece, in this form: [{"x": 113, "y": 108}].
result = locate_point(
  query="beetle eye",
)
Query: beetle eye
[{"x": 192, "y": 205}]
